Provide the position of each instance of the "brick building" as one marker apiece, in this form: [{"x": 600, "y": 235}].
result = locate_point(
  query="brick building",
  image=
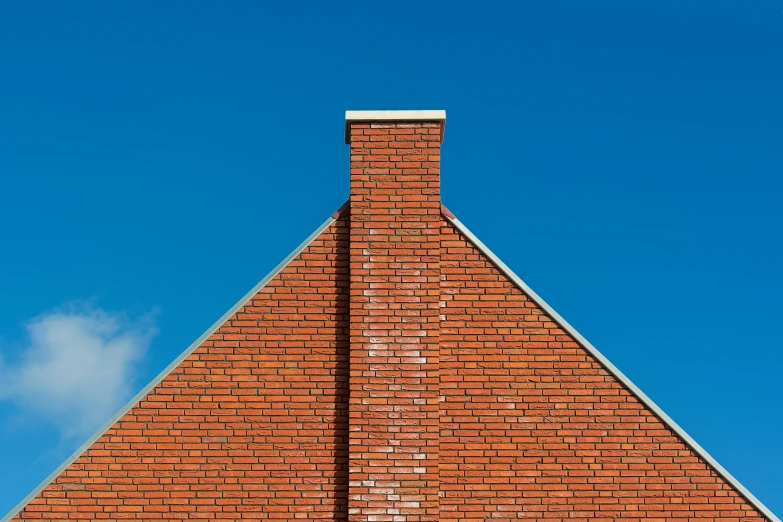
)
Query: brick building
[{"x": 391, "y": 369}]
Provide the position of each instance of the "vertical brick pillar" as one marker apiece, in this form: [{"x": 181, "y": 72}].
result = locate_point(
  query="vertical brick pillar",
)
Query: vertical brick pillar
[{"x": 394, "y": 310}]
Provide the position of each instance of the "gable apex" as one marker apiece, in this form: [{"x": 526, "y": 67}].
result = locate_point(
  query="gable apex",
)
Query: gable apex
[{"x": 342, "y": 213}]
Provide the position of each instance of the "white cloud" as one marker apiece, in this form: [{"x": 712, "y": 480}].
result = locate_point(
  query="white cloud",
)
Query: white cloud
[{"x": 76, "y": 368}]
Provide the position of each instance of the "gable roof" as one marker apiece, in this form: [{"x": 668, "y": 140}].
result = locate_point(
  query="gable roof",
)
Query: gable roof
[{"x": 457, "y": 224}]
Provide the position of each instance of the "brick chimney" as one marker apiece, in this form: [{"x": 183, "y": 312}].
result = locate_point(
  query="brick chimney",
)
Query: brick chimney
[{"x": 394, "y": 326}]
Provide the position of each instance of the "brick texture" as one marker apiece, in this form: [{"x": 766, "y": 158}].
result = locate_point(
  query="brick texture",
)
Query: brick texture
[
  {"x": 532, "y": 426},
  {"x": 392, "y": 373},
  {"x": 394, "y": 315},
  {"x": 253, "y": 425}
]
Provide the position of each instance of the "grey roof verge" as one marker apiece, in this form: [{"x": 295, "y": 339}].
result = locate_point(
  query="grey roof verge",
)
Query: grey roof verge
[
  {"x": 611, "y": 368},
  {"x": 502, "y": 267},
  {"x": 162, "y": 375}
]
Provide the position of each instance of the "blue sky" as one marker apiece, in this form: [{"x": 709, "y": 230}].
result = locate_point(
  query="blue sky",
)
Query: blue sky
[{"x": 624, "y": 158}]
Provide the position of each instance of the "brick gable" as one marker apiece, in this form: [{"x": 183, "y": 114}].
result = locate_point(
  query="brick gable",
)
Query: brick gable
[{"x": 392, "y": 370}]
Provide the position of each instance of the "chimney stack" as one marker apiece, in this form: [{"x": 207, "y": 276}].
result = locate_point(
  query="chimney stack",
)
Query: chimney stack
[{"x": 394, "y": 313}]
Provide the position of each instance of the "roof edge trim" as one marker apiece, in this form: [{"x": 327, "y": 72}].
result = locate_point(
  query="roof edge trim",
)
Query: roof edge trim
[
  {"x": 162, "y": 375},
  {"x": 612, "y": 369}
]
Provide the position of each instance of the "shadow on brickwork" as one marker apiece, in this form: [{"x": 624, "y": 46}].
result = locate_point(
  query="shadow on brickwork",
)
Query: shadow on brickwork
[{"x": 342, "y": 369}]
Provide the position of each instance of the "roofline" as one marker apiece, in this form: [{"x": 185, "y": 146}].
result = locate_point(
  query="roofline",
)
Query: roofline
[
  {"x": 502, "y": 267},
  {"x": 162, "y": 375},
  {"x": 611, "y": 367}
]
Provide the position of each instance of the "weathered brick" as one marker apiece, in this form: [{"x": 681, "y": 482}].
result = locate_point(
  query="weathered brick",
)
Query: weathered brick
[{"x": 394, "y": 364}]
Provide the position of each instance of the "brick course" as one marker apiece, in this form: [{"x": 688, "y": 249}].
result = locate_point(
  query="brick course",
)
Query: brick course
[{"x": 390, "y": 372}]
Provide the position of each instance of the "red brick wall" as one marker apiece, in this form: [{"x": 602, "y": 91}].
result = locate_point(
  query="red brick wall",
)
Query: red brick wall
[
  {"x": 395, "y": 258},
  {"x": 532, "y": 426},
  {"x": 254, "y": 424},
  {"x": 390, "y": 373},
  {"x": 251, "y": 426}
]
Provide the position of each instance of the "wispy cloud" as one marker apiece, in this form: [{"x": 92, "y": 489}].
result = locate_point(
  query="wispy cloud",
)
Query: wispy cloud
[{"x": 76, "y": 367}]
